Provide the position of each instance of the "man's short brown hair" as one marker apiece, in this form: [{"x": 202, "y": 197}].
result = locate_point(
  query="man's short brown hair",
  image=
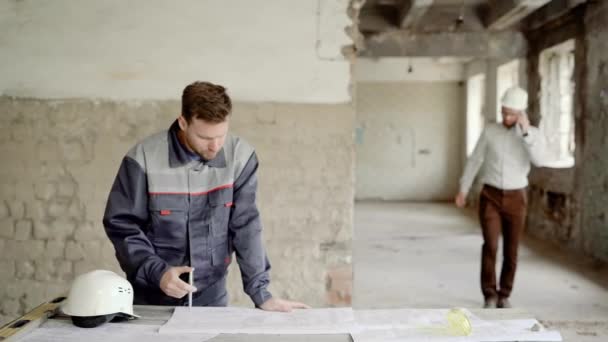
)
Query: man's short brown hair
[{"x": 206, "y": 101}]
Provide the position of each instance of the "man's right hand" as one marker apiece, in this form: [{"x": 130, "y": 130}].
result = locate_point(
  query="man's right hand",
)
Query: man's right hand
[
  {"x": 460, "y": 200},
  {"x": 172, "y": 285}
]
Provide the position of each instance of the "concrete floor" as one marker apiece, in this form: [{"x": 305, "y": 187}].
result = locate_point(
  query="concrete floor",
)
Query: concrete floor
[{"x": 427, "y": 256}]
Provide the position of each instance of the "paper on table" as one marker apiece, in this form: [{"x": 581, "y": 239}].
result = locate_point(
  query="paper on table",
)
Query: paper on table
[
  {"x": 406, "y": 318},
  {"x": 254, "y": 321},
  {"x": 405, "y": 335},
  {"x": 514, "y": 330},
  {"x": 65, "y": 331},
  {"x": 426, "y": 325}
]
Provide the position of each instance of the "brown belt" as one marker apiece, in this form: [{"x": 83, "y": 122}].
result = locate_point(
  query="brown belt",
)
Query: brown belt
[{"x": 493, "y": 188}]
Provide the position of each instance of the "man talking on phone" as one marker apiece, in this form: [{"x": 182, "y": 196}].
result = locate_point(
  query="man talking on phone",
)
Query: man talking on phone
[{"x": 503, "y": 153}]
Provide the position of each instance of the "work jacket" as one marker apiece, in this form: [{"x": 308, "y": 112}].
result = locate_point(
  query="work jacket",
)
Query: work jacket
[{"x": 167, "y": 208}]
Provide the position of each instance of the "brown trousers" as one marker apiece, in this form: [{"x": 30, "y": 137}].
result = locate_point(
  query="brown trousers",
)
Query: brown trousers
[{"x": 500, "y": 211}]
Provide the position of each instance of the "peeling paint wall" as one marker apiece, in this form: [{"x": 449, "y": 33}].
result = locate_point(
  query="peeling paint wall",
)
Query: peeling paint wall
[
  {"x": 285, "y": 51},
  {"x": 84, "y": 80},
  {"x": 569, "y": 206},
  {"x": 553, "y": 210},
  {"x": 594, "y": 196},
  {"x": 60, "y": 159}
]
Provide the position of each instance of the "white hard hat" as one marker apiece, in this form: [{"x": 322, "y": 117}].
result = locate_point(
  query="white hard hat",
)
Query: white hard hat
[
  {"x": 515, "y": 98},
  {"x": 98, "y": 297}
]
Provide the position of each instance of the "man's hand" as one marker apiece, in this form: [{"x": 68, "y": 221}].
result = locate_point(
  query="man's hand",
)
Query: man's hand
[
  {"x": 172, "y": 285},
  {"x": 282, "y": 305},
  {"x": 460, "y": 200},
  {"x": 523, "y": 122}
]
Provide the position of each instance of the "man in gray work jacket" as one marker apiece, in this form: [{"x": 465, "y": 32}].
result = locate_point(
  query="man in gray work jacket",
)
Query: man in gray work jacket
[
  {"x": 184, "y": 200},
  {"x": 504, "y": 153}
]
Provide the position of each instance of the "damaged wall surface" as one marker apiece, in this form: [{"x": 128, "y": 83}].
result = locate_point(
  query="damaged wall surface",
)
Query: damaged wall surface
[
  {"x": 143, "y": 50},
  {"x": 594, "y": 187},
  {"x": 83, "y": 81},
  {"x": 64, "y": 156},
  {"x": 568, "y": 206}
]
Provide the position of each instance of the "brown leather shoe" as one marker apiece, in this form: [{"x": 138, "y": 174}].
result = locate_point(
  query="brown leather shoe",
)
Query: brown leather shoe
[{"x": 503, "y": 303}]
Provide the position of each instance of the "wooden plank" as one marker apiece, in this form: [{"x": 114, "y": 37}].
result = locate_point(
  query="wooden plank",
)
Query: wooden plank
[{"x": 30, "y": 321}]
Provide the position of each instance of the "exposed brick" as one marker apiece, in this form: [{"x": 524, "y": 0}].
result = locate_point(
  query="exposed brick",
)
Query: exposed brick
[
  {"x": 15, "y": 288},
  {"x": 64, "y": 270},
  {"x": 17, "y": 209},
  {"x": 300, "y": 127},
  {"x": 7, "y": 269},
  {"x": 7, "y": 191},
  {"x": 35, "y": 295},
  {"x": 5, "y": 134},
  {"x": 20, "y": 132},
  {"x": 63, "y": 228},
  {"x": 75, "y": 251},
  {"x": 42, "y": 229},
  {"x": 59, "y": 229},
  {"x": 82, "y": 266},
  {"x": 34, "y": 249},
  {"x": 92, "y": 249},
  {"x": 23, "y": 230},
  {"x": 339, "y": 286},
  {"x": 7, "y": 228},
  {"x": 66, "y": 189},
  {"x": 24, "y": 191},
  {"x": 87, "y": 232},
  {"x": 58, "y": 209},
  {"x": 25, "y": 269},
  {"x": 55, "y": 249},
  {"x": 10, "y": 306},
  {"x": 36, "y": 210},
  {"x": 24, "y": 250},
  {"x": 4, "y": 212},
  {"x": 52, "y": 170},
  {"x": 77, "y": 211},
  {"x": 45, "y": 190},
  {"x": 73, "y": 150},
  {"x": 10, "y": 249},
  {"x": 45, "y": 269},
  {"x": 48, "y": 151}
]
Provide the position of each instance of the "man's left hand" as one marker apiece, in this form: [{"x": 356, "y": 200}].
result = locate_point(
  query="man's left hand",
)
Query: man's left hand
[{"x": 282, "y": 305}]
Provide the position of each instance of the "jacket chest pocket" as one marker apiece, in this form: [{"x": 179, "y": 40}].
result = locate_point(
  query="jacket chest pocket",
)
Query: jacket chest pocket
[
  {"x": 168, "y": 222},
  {"x": 220, "y": 204}
]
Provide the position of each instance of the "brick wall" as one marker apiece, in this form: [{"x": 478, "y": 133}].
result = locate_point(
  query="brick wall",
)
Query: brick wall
[{"x": 59, "y": 159}]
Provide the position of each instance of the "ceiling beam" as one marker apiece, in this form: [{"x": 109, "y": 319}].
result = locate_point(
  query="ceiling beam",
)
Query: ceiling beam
[
  {"x": 555, "y": 9},
  {"x": 506, "y": 44},
  {"x": 373, "y": 20},
  {"x": 412, "y": 11},
  {"x": 502, "y": 14}
]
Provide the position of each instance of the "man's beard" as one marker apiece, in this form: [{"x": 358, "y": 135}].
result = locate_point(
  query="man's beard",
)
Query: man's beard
[
  {"x": 509, "y": 126},
  {"x": 208, "y": 155}
]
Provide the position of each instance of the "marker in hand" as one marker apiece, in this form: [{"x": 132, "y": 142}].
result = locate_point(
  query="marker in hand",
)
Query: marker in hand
[
  {"x": 174, "y": 282},
  {"x": 191, "y": 282}
]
